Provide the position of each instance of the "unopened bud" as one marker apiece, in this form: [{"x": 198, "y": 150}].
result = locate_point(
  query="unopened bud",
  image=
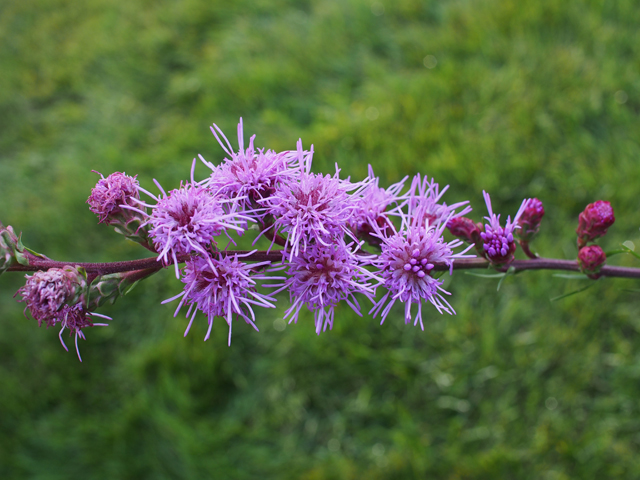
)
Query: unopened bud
[
  {"x": 465, "y": 229},
  {"x": 109, "y": 200},
  {"x": 46, "y": 292},
  {"x": 594, "y": 221},
  {"x": 591, "y": 259},
  {"x": 529, "y": 221}
]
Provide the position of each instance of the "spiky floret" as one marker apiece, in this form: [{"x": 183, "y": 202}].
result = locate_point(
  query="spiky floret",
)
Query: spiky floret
[
  {"x": 406, "y": 264},
  {"x": 424, "y": 199},
  {"x": 499, "y": 243},
  {"x": 110, "y": 193},
  {"x": 222, "y": 287},
  {"x": 188, "y": 219},
  {"x": 75, "y": 318},
  {"x": 313, "y": 209},
  {"x": 373, "y": 207},
  {"x": 252, "y": 174},
  {"x": 324, "y": 275}
]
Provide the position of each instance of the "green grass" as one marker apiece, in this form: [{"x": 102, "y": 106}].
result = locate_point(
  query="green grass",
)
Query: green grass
[{"x": 526, "y": 99}]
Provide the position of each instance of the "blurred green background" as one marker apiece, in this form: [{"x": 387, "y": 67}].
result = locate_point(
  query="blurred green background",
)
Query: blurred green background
[{"x": 517, "y": 98}]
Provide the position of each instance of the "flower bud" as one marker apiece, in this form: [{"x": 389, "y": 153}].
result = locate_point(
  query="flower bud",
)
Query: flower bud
[
  {"x": 465, "y": 229},
  {"x": 529, "y": 221},
  {"x": 10, "y": 248},
  {"x": 591, "y": 259},
  {"x": 107, "y": 200},
  {"x": 46, "y": 292},
  {"x": 594, "y": 221}
]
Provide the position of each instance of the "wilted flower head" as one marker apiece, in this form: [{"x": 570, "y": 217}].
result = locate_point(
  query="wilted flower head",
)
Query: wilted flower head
[
  {"x": 424, "y": 198},
  {"x": 75, "y": 318},
  {"x": 46, "y": 291},
  {"x": 313, "y": 209},
  {"x": 406, "y": 265},
  {"x": 252, "y": 175},
  {"x": 111, "y": 193},
  {"x": 591, "y": 259},
  {"x": 188, "y": 219},
  {"x": 222, "y": 287},
  {"x": 530, "y": 219},
  {"x": 373, "y": 208},
  {"x": 324, "y": 275},
  {"x": 499, "y": 244},
  {"x": 594, "y": 221}
]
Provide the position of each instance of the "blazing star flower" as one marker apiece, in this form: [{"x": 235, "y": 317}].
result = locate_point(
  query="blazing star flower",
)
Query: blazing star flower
[
  {"x": 530, "y": 219},
  {"x": 322, "y": 276},
  {"x": 222, "y": 288},
  {"x": 188, "y": 219},
  {"x": 111, "y": 193},
  {"x": 594, "y": 221},
  {"x": 314, "y": 209},
  {"x": 424, "y": 196},
  {"x": 591, "y": 259},
  {"x": 406, "y": 264},
  {"x": 499, "y": 244},
  {"x": 373, "y": 208},
  {"x": 75, "y": 318},
  {"x": 45, "y": 292},
  {"x": 252, "y": 175}
]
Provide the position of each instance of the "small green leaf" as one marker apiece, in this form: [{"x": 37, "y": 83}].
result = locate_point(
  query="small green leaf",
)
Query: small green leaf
[
  {"x": 486, "y": 275},
  {"x": 572, "y": 293},
  {"x": 510, "y": 271},
  {"x": 572, "y": 276},
  {"x": 629, "y": 244}
]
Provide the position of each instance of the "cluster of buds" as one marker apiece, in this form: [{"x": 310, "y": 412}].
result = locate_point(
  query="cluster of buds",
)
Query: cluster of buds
[{"x": 593, "y": 222}]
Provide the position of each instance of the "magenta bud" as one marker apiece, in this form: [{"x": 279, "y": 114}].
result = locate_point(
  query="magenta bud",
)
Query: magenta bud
[
  {"x": 594, "y": 221},
  {"x": 591, "y": 259},
  {"x": 529, "y": 221},
  {"x": 465, "y": 229}
]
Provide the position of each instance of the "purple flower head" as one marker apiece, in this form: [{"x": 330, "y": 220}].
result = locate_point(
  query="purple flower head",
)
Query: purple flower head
[
  {"x": 75, "y": 318},
  {"x": 252, "y": 175},
  {"x": 188, "y": 219},
  {"x": 591, "y": 259},
  {"x": 424, "y": 198},
  {"x": 314, "y": 209},
  {"x": 406, "y": 264},
  {"x": 499, "y": 244},
  {"x": 222, "y": 287},
  {"x": 110, "y": 193},
  {"x": 47, "y": 291},
  {"x": 322, "y": 276},
  {"x": 372, "y": 208},
  {"x": 530, "y": 219},
  {"x": 594, "y": 221}
]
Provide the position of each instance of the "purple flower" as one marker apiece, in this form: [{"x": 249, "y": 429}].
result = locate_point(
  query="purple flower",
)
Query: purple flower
[
  {"x": 499, "y": 244},
  {"x": 323, "y": 275},
  {"x": 406, "y": 264},
  {"x": 424, "y": 198},
  {"x": 222, "y": 288},
  {"x": 530, "y": 219},
  {"x": 594, "y": 221},
  {"x": 252, "y": 175},
  {"x": 314, "y": 209},
  {"x": 188, "y": 219},
  {"x": 75, "y": 318},
  {"x": 372, "y": 208},
  {"x": 110, "y": 194},
  {"x": 45, "y": 292},
  {"x": 591, "y": 259}
]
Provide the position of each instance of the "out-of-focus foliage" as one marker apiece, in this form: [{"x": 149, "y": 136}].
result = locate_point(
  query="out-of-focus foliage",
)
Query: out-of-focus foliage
[{"x": 517, "y": 98}]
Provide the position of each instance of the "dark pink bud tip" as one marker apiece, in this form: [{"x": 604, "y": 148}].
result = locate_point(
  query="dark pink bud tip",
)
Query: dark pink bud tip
[
  {"x": 465, "y": 229},
  {"x": 591, "y": 259},
  {"x": 594, "y": 221},
  {"x": 530, "y": 219}
]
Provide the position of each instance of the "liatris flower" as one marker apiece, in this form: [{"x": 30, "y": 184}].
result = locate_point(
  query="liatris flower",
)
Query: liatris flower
[
  {"x": 188, "y": 219},
  {"x": 529, "y": 221},
  {"x": 75, "y": 318},
  {"x": 591, "y": 259},
  {"x": 110, "y": 193},
  {"x": 322, "y": 276},
  {"x": 499, "y": 244},
  {"x": 423, "y": 200},
  {"x": 252, "y": 175},
  {"x": 406, "y": 264},
  {"x": 594, "y": 221},
  {"x": 372, "y": 208},
  {"x": 465, "y": 229},
  {"x": 222, "y": 288},
  {"x": 314, "y": 209},
  {"x": 46, "y": 292}
]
